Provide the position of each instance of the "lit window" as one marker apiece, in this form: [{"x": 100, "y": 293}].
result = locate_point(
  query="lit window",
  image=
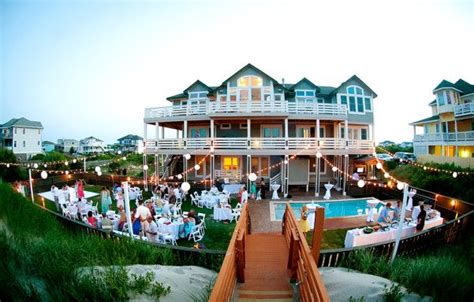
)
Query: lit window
[
  {"x": 231, "y": 163},
  {"x": 247, "y": 81}
]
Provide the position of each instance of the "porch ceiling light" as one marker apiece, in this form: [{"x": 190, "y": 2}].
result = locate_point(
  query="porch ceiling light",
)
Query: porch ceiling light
[
  {"x": 318, "y": 154},
  {"x": 361, "y": 183},
  {"x": 187, "y": 156},
  {"x": 252, "y": 176}
]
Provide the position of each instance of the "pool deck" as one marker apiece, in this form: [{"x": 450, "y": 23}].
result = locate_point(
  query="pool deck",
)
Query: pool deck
[{"x": 261, "y": 215}]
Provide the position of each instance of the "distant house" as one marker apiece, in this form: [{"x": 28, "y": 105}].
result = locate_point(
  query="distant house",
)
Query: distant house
[
  {"x": 386, "y": 143},
  {"x": 22, "y": 137},
  {"x": 67, "y": 145},
  {"x": 48, "y": 146},
  {"x": 131, "y": 143},
  {"x": 91, "y": 145},
  {"x": 406, "y": 145}
]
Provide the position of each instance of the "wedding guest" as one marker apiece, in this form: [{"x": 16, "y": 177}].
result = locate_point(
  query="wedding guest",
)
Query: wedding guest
[
  {"x": 152, "y": 230},
  {"x": 262, "y": 188},
  {"x": 91, "y": 219},
  {"x": 420, "y": 220},
  {"x": 304, "y": 223}
]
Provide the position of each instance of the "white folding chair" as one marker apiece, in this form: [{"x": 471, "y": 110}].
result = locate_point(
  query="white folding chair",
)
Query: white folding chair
[
  {"x": 166, "y": 237},
  {"x": 202, "y": 217},
  {"x": 185, "y": 214},
  {"x": 194, "y": 200},
  {"x": 196, "y": 232}
]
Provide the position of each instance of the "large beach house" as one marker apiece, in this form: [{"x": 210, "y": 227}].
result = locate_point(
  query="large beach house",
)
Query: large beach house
[
  {"x": 252, "y": 123},
  {"x": 448, "y": 135},
  {"x": 22, "y": 137}
]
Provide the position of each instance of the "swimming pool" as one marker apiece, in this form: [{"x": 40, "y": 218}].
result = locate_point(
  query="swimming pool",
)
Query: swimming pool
[{"x": 336, "y": 208}]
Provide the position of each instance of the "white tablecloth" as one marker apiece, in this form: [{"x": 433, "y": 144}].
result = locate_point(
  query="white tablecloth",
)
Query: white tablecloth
[
  {"x": 357, "y": 237},
  {"x": 328, "y": 191},
  {"x": 275, "y": 189},
  {"x": 232, "y": 189},
  {"x": 172, "y": 228},
  {"x": 222, "y": 213},
  {"x": 210, "y": 200}
]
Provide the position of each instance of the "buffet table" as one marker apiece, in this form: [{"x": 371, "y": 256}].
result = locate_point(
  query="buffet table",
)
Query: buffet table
[{"x": 357, "y": 237}]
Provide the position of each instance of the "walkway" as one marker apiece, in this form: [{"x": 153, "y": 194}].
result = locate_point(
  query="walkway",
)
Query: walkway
[{"x": 266, "y": 275}]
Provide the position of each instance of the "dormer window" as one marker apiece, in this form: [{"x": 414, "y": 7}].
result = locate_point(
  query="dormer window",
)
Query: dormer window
[
  {"x": 355, "y": 100},
  {"x": 305, "y": 93},
  {"x": 249, "y": 81},
  {"x": 198, "y": 95}
]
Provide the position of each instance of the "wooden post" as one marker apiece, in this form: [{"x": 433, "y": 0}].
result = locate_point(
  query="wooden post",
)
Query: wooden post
[
  {"x": 240, "y": 250},
  {"x": 293, "y": 253},
  {"x": 31, "y": 186},
  {"x": 317, "y": 233}
]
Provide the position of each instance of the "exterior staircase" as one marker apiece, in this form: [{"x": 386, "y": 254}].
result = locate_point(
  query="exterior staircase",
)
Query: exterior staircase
[{"x": 266, "y": 275}]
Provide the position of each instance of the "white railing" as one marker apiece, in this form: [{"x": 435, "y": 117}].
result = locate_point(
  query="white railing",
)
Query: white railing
[
  {"x": 464, "y": 109},
  {"x": 276, "y": 179},
  {"x": 268, "y": 143},
  {"x": 231, "y": 174},
  {"x": 205, "y": 107},
  {"x": 446, "y": 137},
  {"x": 230, "y": 143},
  {"x": 446, "y": 108},
  {"x": 316, "y": 108}
]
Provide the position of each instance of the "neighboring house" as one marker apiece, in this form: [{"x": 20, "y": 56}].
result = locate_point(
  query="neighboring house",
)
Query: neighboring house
[
  {"x": 132, "y": 143},
  {"x": 67, "y": 145},
  {"x": 91, "y": 145},
  {"x": 48, "y": 146},
  {"x": 253, "y": 123},
  {"x": 448, "y": 134},
  {"x": 22, "y": 137},
  {"x": 386, "y": 144},
  {"x": 406, "y": 145}
]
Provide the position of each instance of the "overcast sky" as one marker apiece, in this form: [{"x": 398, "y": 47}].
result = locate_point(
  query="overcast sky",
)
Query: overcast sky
[{"x": 91, "y": 67}]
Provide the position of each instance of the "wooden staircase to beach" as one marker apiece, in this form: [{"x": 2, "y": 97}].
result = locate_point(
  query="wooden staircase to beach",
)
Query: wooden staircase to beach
[{"x": 259, "y": 267}]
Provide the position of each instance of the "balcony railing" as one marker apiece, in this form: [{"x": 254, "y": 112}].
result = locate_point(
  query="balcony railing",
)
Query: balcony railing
[
  {"x": 464, "y": 109},
  {"x": 445, "y": 137},
  {"x": 257, "y": 143},
  {"x": 206, "y": 107}
]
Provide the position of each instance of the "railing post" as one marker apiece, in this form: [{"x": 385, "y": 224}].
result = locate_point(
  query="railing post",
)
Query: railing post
[
  {"x": 293, "y": 254},
  {"x": 240, "y": 253},
  {"x": 317, "y": 233}
]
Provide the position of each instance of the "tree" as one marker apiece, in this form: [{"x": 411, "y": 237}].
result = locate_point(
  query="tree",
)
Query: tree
[
  {"x": 71, "y": 150},
  {"x": 13, "y": 172}
]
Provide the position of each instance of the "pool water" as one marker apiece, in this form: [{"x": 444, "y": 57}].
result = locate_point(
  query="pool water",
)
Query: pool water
[{"x": 339, "y": 208}]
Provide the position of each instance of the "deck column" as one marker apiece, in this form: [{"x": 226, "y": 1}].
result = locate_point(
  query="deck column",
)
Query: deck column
[
  {"x": 318, "y": 176},
  {"x": 456, "y": 133},
  {"x": 286, "y": 134},
  {"x": 317, "y": 131},
  {"x": 157, "y": 131},
  {"x": 157, "y": 169},
  {"x": 249, "y": 134},
  {"x": 287, "y": 174},
  {"x": 185, "y": 133},
  {"x": 185, "y": 167},
  {"x": 145, "y": 173},
  {"x": 346, "y": 134},
  {"x": 346, "y": 169},
  {"x": 212, "y": 172},
  {"x": 212, "y": 134},
  {"x": 249, "y": 170}
]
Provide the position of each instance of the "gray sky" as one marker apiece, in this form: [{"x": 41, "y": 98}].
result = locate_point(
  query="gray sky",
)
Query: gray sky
[{"x": 91, "y": 67}]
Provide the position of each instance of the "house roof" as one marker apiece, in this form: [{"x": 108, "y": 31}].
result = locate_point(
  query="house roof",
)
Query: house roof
[
  {"x": 433, "y": 102},
  {"x": 462, "y": 86},
  {"x": 355, "y": 78},
  {"x": 22, "y": 122},
  {"x": 253, "y": 67},
  {"x": 197, "y": 83},
  {"x": 48, "y": 143},
  {"x": 131, "y": 136},
  {"x": 304, "y": 80},
  {"x": 433, "y": 118},
  {"x": 91, "y": 137}
]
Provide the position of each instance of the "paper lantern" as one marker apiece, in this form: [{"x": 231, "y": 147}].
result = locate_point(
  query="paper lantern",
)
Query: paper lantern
[
  {"x": 185, "y": 186},
  {"x": 97, "y": 169},
  {"x": 361, "y": 183},
  {"x": 252, "y": 176},
  {"x": 44, "y": 175},
  {"x": 99, "y": 173},
  {"x": 400, "y": 185}
]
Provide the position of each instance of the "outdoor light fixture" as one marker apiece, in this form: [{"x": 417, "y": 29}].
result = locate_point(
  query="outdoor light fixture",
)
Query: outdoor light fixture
[
  {"x": 455, "y": 174},
  {"x": 74, "y": 161},
  {"x": 187, "y": 156},
  {"x": 185, "y": 186},
  {"x": 66, "y": 163},
  {"x": 180, "y": 176},
  {"x": 145, "y": 167},
  {"x": 197, "y": 167},
  {"x": 66, "y": 172},
  {"x": 361, "y": 183},
  {"x": 97, "y": 169},
  {"x": 386, "y": 175},
  {"x": 334, "y": 169},
  {"x": 379, "y": 166},
  {"x": 99, "y": 173},
  {"x": 252, "y": 176},
  {"x": 400, "y": 185},
  {"x": 8, "y": 165},
  {"x": 44, "y": 175},
  {"x": 318, "y": 154},
  {"x": 285, "y": 162},
  {"x": 35, "y": 166}
]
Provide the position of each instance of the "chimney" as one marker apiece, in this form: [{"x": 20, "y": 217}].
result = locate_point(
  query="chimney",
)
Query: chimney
[{"x": 282, "y": 81}]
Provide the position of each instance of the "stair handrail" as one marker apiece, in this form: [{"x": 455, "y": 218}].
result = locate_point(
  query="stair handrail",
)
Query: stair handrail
[{"x": 226, "y": 281}]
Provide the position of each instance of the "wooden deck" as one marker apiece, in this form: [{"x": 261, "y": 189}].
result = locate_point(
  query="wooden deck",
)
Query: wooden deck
[{"x": 266, "y": 275}]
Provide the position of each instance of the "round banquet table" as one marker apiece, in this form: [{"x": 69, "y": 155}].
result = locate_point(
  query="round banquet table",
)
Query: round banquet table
[
  {"x": 222, "y": 213},
  {"x": 172, "y": 228}
]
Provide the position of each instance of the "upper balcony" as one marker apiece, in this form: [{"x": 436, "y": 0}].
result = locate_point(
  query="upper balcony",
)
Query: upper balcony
[
  {"x": 463, "y": 138},
  {"x": 464, "y": 109},
  {"x": 205, "y": 107},
  {"x": 258, "y": 145}
]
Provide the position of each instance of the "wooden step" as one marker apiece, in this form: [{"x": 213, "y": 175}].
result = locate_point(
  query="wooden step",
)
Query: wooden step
[{"x": 265, "y": 295}]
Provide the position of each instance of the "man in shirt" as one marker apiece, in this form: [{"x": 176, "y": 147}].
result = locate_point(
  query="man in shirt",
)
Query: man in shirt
[
  {"x": 55, "y": 192},
  {"x": 142, "y": 214},
  {"x": 384, "y": 217},
  {"x": 152, "y": 230}
]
